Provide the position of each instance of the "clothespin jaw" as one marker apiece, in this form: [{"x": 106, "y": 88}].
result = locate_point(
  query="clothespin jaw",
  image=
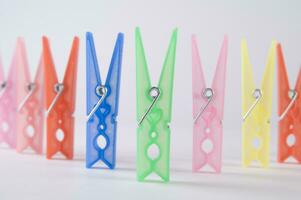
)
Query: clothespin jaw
[
  {"x": 60, "y": 102},
  {"x": 208, "y": 106},
  {"x": 154, "y": 105},
  {"x": 8, "y": 105},
  {"x": 289, "y": 124},
  {"x": 30, "y": 104},
  {"x": 256, "y": 109},
  {"x": 102, "y": 105}
]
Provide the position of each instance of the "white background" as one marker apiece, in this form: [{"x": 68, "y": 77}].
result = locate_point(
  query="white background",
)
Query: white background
[{"x": 33, "y": 177}]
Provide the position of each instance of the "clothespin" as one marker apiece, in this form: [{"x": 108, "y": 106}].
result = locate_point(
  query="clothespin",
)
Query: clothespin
[
  {"x": 8, "y": 101},
  {"x": 154, "y": 106},
  {"x": 208, "y": 108},
  {"x": 102, "y": 105},
  {"x": 30, "y": 104},
  {"x": 289, "y": 106},
  {"x": 60, "y": 102},
  {"x": 256, "y": 109}
]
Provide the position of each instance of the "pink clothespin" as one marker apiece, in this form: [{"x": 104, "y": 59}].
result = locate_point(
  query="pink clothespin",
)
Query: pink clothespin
[
  {"x": 208, "y": 107},
  {"x": 30, "y": 104},
  {"x": 8, "y": 104}
]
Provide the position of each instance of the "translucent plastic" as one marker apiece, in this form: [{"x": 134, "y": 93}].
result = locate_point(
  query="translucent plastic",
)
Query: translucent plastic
[
  {"x": 30, "y": 116},
  {"x": 60, "y": 119},
  {"x": 103, "y": 122},
  {"x": 208, "y": 127},
  {"x": 290, "y": 125},
  {"x": 154, "y": 130},
  {"x": 256, "y": 127},
  {"x": 8, "y": 103}
]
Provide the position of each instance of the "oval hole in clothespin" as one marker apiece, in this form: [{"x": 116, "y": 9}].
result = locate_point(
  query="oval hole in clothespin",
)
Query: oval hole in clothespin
[
  {"x": 101, "y": 142},
  {"x": 4, "y": 127},
  {"x": 207, "y": 146},
  {"x": 291, "y": 140},
  {"x": 60, "y": 135},
  {"x": 30, "y": 131},
  {"x": 153, "y": 151}
]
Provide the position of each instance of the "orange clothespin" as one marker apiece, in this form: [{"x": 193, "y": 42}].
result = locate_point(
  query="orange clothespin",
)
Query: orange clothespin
[
  {"x": 60, "y": 102},
  {"x": 289, "y": 111}
]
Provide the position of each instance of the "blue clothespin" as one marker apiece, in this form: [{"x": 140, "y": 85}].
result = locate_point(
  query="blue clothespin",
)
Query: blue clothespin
[{"x": 102, "y": 105}]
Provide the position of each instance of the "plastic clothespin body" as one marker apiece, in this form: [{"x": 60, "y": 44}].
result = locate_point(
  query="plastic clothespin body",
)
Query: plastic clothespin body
[
  {"x": 30, "y": 104},
  {"x": 208, "y": 107},
  {"x": 103, "y": 101},
  {"x": 60, "y": 102},
  {"x": 289, "y": 107},
  {"x": 154, "y": 113},
  {"x": 8, "y": 103},
  {"x": 256, "y": 109}
]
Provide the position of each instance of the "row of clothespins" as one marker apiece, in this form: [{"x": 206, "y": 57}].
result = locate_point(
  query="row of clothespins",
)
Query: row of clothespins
[{"x": 22, "y": 106}]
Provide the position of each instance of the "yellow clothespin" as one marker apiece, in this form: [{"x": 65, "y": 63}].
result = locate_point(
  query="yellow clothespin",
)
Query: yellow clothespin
[{"x": 256, "y": 109}]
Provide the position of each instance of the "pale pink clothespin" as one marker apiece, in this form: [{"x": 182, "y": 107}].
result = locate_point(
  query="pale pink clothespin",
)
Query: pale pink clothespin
[
  {"x": 8, "y": 104},
  {"x": 208, "y": 107},
  {"x": 30, "y": 104}
]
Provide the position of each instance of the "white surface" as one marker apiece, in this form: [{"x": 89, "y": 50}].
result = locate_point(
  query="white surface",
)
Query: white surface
[
  {"x": 259, "y": 21},
  {"x": 33, "y": 177}
]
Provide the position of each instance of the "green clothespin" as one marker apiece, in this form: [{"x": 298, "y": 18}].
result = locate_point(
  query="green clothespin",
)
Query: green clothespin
[{"x": 154, "y": 106}]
